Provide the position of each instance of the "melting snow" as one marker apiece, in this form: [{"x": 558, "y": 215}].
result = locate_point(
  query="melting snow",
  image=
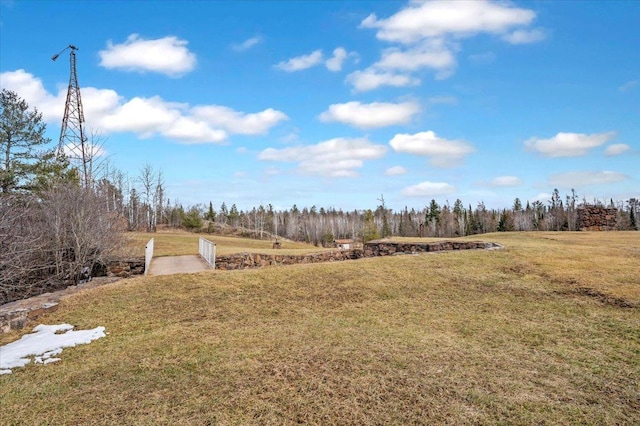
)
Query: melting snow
[{"x": 46, "y": 342}]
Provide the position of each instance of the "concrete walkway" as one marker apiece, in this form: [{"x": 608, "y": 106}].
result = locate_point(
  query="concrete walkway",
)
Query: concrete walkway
[{"x": 168, "y": 265}]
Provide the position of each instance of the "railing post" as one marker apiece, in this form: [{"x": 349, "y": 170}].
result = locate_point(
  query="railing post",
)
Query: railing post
[{"x": 148, "y": 255}]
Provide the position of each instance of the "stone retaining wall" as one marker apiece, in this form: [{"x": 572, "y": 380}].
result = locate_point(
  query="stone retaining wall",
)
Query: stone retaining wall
[
  {"x": 596, "y": 218},
  {"x": 16, "y": 319},
  {"x": 371, "y": 249},
  {"x": 258, "y": 260},
  {"x": 380, "y": 248},
  {"x": 125, "y": 268}
]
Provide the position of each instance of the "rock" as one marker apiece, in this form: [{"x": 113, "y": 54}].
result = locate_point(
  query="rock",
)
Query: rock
[{"x": 597, "y": 218}]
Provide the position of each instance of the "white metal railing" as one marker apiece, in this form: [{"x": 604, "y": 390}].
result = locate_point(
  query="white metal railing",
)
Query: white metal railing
[
  {"x": 148, "y": 255},
  {"x": 207, "y": 250}
]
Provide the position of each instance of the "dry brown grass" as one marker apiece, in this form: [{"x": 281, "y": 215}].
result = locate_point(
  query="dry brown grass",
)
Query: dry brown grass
[
  {"x": 481, "y": 337},
  {"x": 178, "y": 243}
]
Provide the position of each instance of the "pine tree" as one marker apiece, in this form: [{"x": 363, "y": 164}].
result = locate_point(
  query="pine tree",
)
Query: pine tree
[
  {"x": 21, "y": 140},
  {"x": 191, "y": 220},
  {"x": 386, "y": 231},
  {"x": 211, "y": 214},
  {"x": 433, "y": 217},
  {"x": 370, "y": 230},
  {"x": 517, "y": 205}
]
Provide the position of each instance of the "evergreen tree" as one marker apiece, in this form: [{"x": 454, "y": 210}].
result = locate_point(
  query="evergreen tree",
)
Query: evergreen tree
[
  {"x": 386, "y": 231},
  {"x": 517, "y": 205},
  {"x": 191, "y": 220},
  {"x": 505, "y": 223},
  {"x": 472, "y": 224},
  {"x": 233, "y": 216},
  {"x": 211, "y": 214},
  {"x": 433, "y": 217},
  {"x": 632, "y": 219},
  {"x": 21, "y": 141},
  {"x": 370, "y": 230}
]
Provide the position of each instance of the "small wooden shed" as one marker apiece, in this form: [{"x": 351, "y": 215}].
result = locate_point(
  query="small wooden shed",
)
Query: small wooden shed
[{"x": 343, "y": 244}]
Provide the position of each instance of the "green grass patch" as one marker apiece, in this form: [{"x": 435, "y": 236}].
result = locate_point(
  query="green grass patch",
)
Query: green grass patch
[{"x": 546, "y": 331}]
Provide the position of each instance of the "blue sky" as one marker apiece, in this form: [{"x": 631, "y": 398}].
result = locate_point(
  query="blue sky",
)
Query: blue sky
[{"x": 335, "y": 103}]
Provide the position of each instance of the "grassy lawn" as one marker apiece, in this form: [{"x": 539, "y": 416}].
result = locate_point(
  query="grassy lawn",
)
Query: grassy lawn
[
  {"x": 546, "y": 331},
  {"x": 177, "y": 243}
]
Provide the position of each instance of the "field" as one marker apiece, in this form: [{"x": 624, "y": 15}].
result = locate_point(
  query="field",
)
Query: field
[
  {"x": 545, "y": 331},
  {"x": 177, "y": 243}
]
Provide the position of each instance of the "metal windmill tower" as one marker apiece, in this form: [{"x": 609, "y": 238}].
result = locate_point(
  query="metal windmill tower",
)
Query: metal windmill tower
[{"x": 72, "y": 134}]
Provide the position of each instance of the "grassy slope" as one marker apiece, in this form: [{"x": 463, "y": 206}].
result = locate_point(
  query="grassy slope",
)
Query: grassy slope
[{"x": 509, "y": 336}]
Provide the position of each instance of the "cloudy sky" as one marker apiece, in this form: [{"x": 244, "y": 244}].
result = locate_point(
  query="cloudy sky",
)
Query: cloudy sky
[{"x": 334, "y": 104}]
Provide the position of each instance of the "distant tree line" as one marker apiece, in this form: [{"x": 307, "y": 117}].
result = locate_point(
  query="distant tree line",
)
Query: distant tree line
[
  {"x": 320, "y": 226},
  {"x": 142, "y": 201}
]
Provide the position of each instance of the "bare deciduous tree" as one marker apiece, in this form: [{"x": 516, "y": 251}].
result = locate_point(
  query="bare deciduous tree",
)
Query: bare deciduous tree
[{"x": 54, "y": 240}]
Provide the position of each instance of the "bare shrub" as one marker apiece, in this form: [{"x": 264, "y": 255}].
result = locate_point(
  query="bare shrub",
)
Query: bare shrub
[
  {"x": 22, "y": 264},
  {"x": 54, "y": 240},
  {"x": 80, "y": 231}
]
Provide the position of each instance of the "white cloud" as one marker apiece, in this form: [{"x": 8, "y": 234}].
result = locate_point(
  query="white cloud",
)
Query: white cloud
[
  {"x": 434, "y": 54},
  {"x": 335, "y": 63},
  {"x": 428, "y": 189},
  {"x": 629, "y": 85},
  {"x": 238, "y": 122},
  {"x": 395, "y": 171},
  {"x": 96, "y": 102},
  {"x": 339, "y": 157},
  {"x": 168, "y": 55},
  {"x": 431, "y": 31},
  {"x": 370, "y": 79},
  {"x": 568, "y": 144},
  {"x": 301, "y": 62},
  {"x": 525, "y": 36},
  {"x": 106, "y": 111},
  {"x": 422, "y": 20},
  {"x": 190, "y": 131},
  {"x": 247, "y": 44},
  {"x": 145, "y": 116},
  {"x": 616, "y": 149},
  {"x": 506, "y": 181},
  {"x": 582, "y": 179},
  {"x": 368, "y": 116},
  {"x": 148, "y": 117},
  {"x": 33, "y": 92},
  {"x": 442, "y": 152}
]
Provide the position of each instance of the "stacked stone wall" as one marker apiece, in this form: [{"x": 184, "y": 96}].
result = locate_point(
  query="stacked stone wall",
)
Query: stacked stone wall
[
  {"x": 125, "y": 268},
  {"x": 391, "y": 248},
  {"x": 596, "y": 218},
  {"x": 371, "y": 249},
  {"x": 258, "y": 260}
]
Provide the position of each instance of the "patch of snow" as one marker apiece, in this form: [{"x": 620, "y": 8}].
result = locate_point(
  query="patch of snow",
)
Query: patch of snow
[{"x": 46, "y": 342}]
